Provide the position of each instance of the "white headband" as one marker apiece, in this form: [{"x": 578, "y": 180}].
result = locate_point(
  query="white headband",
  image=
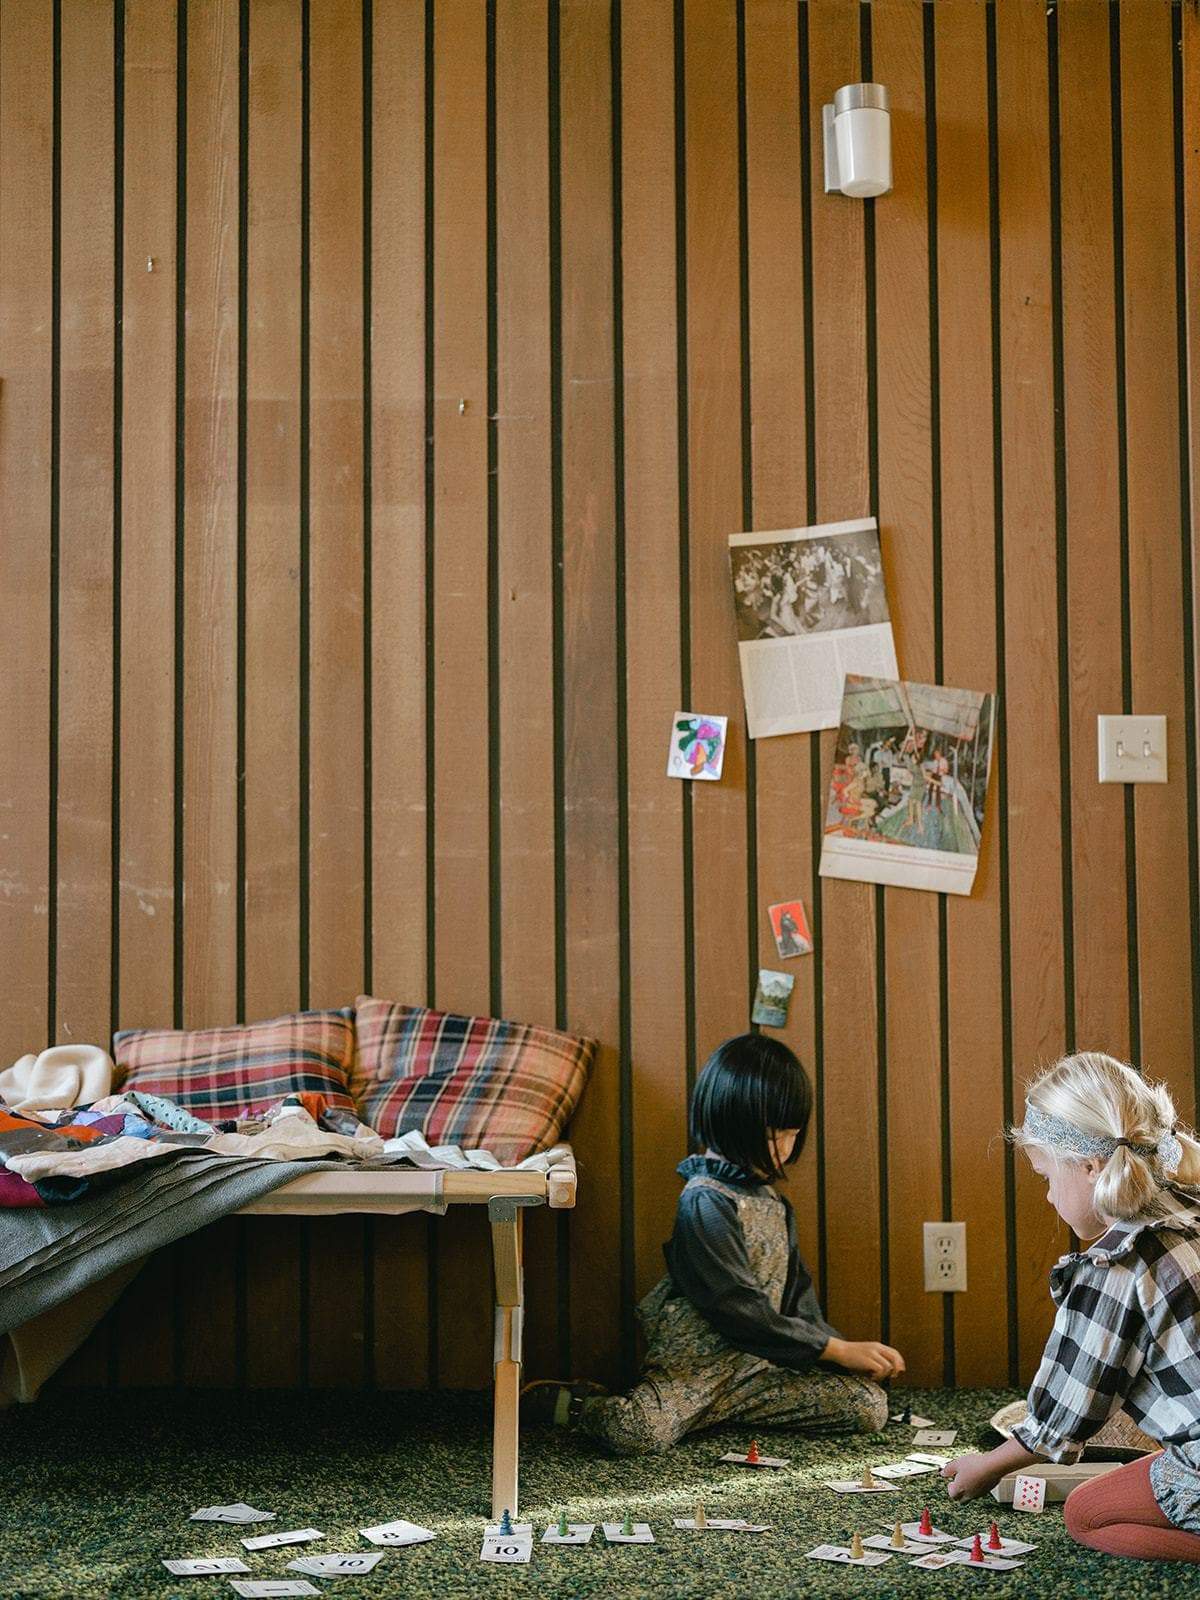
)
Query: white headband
[{"x": 1041, "y": 1128}]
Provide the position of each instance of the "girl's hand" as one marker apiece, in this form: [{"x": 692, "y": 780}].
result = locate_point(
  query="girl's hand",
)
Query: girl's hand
[
  {"x": 970, "y": 1476},
  {"x": 864, "y": 1355}
]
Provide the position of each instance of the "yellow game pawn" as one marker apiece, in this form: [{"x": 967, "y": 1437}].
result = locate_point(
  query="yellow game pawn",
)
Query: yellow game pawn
[
  {"x": 699, "y": 1518},
  {"x": 868, "y": 1479},
  {"x": 898, "y": 1539},
  {"x": 856, "y": 1547}
]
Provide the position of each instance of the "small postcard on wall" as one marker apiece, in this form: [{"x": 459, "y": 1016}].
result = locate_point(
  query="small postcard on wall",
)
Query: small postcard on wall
[
  {"x": 772, "y": 998},
  {"x": 810, "y": 606},
  {"x": 909, "y": 783},
  {"x": 789, "y": 924},
  {"x": 697, "y": 748}
]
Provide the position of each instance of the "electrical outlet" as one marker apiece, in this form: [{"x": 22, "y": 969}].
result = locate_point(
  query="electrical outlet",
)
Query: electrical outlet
[{"x": 945, "y": 1257}]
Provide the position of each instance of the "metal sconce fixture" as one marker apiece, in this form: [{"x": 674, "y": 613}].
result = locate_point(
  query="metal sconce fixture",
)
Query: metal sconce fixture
[{"x": 858, "y": 141}]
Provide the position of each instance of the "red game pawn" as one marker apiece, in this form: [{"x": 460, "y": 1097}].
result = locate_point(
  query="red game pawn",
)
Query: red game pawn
[
  {"x": 925, "y": 1526},
  {"x": 752, "y": 1455},
  {"x": 976, "y": 1551},
  {"x": 995, "y": 1542}
]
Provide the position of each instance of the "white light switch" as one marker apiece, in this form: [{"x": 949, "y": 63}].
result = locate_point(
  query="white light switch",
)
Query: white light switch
[{"x": 1133, "y": 749}]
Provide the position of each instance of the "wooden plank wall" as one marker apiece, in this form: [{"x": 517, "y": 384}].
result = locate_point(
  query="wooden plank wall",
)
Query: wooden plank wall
[{"x": 379, "y": 381}]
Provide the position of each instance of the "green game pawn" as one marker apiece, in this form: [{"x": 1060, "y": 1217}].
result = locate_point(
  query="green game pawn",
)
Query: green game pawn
[
  {"x": 627, "y": 1527},
  {"x": 564, "y": 1528}
]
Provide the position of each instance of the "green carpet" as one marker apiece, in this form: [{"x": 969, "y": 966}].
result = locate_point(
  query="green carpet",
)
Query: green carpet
[{"x": 97, "y": 1488}]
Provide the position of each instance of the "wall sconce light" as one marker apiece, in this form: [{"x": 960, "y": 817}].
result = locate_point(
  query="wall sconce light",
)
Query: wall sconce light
[{"x": 858, "y": 141}]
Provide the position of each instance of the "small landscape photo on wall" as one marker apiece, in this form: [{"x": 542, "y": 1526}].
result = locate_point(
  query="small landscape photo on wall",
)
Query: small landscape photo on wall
[{"x": 909, "y": 784}]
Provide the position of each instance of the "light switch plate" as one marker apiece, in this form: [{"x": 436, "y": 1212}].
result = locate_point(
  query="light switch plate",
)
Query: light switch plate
[{"x": 1133, "y": 749}]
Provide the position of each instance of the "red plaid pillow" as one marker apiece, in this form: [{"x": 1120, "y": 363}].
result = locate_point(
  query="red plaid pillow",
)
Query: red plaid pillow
[
  {"x": 470, "y": 1081},
  {"x": 225, "y": 1072}
]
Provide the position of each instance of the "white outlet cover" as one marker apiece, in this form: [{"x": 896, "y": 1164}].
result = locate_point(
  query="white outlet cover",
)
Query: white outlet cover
[
  {"x": 945, "y": 1257},
  {"x": 1132, "y": 749}
]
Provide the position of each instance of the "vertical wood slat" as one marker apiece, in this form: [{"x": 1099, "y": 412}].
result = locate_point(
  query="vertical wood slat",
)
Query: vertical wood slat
[
  {"x": 1092, "y": 495},
  {"x": 1165, "y": 953},
  {"x": 779, "y": 484},
  {"x": 147, "y": 756},
  {"x": 525, "y": 982},
  {"x": 912, "y": 975},
  {"x": 1031, "y": 623},
  {"x": 973, "y": 1018},
  {"x": 651, "y": 508},
  {"x": 85, "y": 576},
  {"x": 335, "y": 681},
  {"x": 398, "y": 815},
  {"x": 852, "y": 1193},
  {"x": 270, "y": 981},
  {"x": 589, "y": 774},
  {"x": 206, "y": 1317},
  {"x": 462, "y": 756}
]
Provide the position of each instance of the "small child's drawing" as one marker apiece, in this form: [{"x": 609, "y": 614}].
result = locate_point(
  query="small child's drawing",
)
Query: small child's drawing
[
  {"x": 697, "y": 746},
  {"x": 771, "y": 998},
  {"x": 790, "y": 927}
]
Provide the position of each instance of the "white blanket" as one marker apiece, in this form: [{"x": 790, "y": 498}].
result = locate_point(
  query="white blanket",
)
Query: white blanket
[{"x": 65, "y": 1075}]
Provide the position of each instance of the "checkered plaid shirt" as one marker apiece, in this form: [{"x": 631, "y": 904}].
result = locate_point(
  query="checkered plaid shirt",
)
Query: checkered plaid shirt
[{"x": 1127, "y": 1334}]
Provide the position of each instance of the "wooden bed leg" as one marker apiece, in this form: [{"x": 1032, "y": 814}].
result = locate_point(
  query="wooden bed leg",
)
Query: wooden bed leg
[{"x": 505, "y": 1215}]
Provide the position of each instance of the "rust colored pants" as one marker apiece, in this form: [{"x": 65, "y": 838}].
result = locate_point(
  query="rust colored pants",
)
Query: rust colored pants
[{"x": 1119, "y": 1515}]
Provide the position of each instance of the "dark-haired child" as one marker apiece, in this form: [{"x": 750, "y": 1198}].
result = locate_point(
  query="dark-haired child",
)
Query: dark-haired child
[{"x": 734, "y": 1331}]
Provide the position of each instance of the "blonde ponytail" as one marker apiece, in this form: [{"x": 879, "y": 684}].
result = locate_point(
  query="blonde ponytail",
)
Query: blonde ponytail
[{"x": 1089, "y": 1105}]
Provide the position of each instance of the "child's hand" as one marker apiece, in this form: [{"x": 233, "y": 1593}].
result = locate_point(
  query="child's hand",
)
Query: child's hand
[
  {"x": 864, "y": 1355},
  {"x": 971, "y": 1476}
]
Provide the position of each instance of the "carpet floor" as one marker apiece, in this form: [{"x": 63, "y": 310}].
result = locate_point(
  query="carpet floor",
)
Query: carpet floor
[{"x": 97, "y": 1489}]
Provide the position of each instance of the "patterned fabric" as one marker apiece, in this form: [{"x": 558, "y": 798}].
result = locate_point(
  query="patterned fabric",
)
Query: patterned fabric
[
  {"x": 57, "y": 1133},
  {"x": 217, "y": 1073},
  {"x": 471, "y": 1081},
  {"x": 695, "y": 1379},
  {"x": 1127, "y": 1333}
]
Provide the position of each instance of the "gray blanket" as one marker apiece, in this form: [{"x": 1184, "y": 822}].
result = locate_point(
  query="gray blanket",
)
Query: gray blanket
[{"x": 48, "y": 1255}]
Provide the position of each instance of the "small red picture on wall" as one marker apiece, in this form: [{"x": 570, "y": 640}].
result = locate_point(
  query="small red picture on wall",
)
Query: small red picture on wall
[{"x": 790, "y": 927}]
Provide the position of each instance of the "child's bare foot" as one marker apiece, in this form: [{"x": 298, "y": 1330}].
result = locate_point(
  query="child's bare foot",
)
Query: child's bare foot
[{"x": 549, "y": 1400}]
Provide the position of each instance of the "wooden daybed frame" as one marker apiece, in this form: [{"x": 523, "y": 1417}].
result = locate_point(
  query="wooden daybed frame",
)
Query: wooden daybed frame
[{"x": 505, "y": 1193}]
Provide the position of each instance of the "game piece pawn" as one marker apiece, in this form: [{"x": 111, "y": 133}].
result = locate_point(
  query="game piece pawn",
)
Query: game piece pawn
[
  {"x": 995, "y": 1542},
  {"x": 898, "y": 1539},
  {"x": 925, "y": 1526},
  {"x": 976, "y": 1551},
  {"x": 506, "y": 1526},
  {"x": 868, "y": 1479},
  {"x": 564, "y": 1527},
  {"x": 906, "y": 1417},
  {"x": 856, "y": 1547},
  {"x": 752, "y": 1455},
  {"x": 627, "y": 1526},
  {"x": 699, "y": 1518}
]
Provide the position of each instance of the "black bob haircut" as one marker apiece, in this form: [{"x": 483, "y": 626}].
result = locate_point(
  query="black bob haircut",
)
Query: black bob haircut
[{"x": 750, "y": 1086}]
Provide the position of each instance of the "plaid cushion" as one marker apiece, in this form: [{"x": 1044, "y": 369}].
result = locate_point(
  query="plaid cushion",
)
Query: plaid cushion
[
  {"x": 224, "y": 1072},
  {"x": 470, "y": 1081}
]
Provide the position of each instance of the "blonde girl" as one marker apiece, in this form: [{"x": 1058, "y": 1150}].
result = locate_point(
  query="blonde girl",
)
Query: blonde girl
[{"x": 1127, "y": 1331}]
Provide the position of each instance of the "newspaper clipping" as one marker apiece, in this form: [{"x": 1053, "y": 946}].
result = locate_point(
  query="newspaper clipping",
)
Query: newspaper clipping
[
  {"x": 810, "y": 607},
  {"x": 910, "y": 778}
]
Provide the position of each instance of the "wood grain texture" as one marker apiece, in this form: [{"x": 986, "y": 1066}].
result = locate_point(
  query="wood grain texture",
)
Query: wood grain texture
[{"x": 1003, "y": 548}]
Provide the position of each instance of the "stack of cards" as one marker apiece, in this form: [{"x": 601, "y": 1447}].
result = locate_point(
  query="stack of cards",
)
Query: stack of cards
[
  {"x": 397, "y": 1533},
  {"x": 238, "y": 1512}
]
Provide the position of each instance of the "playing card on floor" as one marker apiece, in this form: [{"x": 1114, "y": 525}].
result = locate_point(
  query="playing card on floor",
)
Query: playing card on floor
[
  {"x": 723, "y": 1525},
  {"x": 903, "y": 1469},
  {"x": 928, "y": 1458},
  {"x": 912, "y": 1421},
  {"x": 205, "y": 1569},
  {"x": 1029, "y": 1494},
  {"x": 988, "y": 1564},
  {"x": 840, "y": 1554},
  {"x": 883, "y": 1541},
  {"x": 641, "y": 1533},
  {"x": 1008, "y": 1547},
  {"x": 239, "y": 1512},
  {"x": 912, "y": 1530},
  {"x": 514, "y": 1547},
  {"x": 336, "y": 1566},
  {"x": 267, "y": 1588},
  {"x": 933, "y": 1560},
  {"x": 763, "y": 1461},
  {"x": 577, "y": 1533},
  {"x": 936, "y": 1436},
  {"x": 268, "y": 1541},
  {"x": 398, "y": 1532},
  {"x": 848, "y": 1486}
]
